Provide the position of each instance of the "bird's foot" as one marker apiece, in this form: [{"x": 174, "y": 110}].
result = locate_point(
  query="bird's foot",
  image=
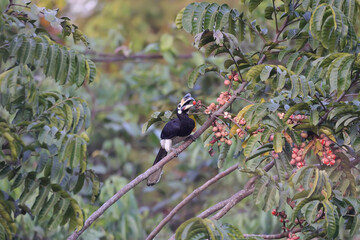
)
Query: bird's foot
[
  {"x": 175, "y": 151},
  {"x": 191, "y": 137}
]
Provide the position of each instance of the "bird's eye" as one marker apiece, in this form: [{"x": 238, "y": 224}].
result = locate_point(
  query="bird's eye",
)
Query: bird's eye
[{"x": 179, "y": 106}]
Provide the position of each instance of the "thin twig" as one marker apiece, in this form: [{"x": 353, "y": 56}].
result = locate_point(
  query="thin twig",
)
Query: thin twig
[
  {"x": 233, "y": 58},
  {"x": 186, "y": 200},
  {"x": 275, "y": 16},
  {"x": 321, "y": 103}
]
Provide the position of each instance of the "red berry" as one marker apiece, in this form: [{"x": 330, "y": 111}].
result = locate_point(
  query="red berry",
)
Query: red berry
[
  {"x": 227, "y": 82},
  {"x": 230, "y": 76},
  {"x": 194, "y": 102},
  {"x": 273, "y": 212}
]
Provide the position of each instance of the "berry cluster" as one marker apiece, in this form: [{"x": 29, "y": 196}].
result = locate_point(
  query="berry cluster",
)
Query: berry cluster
[
  {"x": 233, "y": 76},
  {"x": 328, "y": 157},
  {"x": 295, "y": 119},
  {"x": 211, "y": 108},
  {"x": 223, "y": 98},
  {"x": 281, "y": 214},
  {"x": 221, "y": 133},
  {"x": 240, "y": 131},
  {"x": 297, "y": 156},
  {"x": 292, "y": 236}
]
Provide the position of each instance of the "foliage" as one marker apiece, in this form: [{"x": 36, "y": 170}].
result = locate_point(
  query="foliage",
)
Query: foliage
[
  {"x": 303, "y": 112},
  {"x": 198, "y": 228},
  {"x": 43, "y": 123}
]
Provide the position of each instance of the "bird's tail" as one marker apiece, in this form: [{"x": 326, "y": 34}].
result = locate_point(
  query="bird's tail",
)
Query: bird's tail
[{"x": 155, "y": 177}]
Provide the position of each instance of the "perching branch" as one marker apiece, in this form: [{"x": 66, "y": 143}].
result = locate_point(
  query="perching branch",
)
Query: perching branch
[
  {"x": 95, "y": 215},
  {"x": 189, "y": 198}
]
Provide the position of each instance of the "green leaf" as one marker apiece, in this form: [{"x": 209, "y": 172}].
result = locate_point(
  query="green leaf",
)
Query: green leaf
[
  {"x": 265, "y": 73},
  {"x": 188, "y": 16},
  {"x": 40, "y": 199},
  {"x": 331, "y": 219},
  {"x": 222, "y": 17},
  {"x": 314, "y": 117},
  {"x": 51, "y": 60},
  {"x": 210, "y": 16},
  {"x": 223, "y": 154},
  {"x": 270, "y": 197},
  {"x": 278, "y": 142},
  {"x": 295, "y": 86},
  {"x": 253, "y": 140},
  {"x": 71, "y": 70},
  {"x": 301, "y": 204},
  {"x": 60, "y": 75},
  {"x": 75, "y": 155},
  {"x": 198, "y": 17},
  {"x": 260, "y": 189},
  {"x": 316, "y": 21},
  {"x": 80, "y": 70},
  {"x": 48, "y": 206},
  {"x": 178, "y": 19},
  {"x": 311, "y": 211},
  {"x": 198, "y": 71},
  {"x": 269, "y": 10},
  {"x": 253, "y": 4}
]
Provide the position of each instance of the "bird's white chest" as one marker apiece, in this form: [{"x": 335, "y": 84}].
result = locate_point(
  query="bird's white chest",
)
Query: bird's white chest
[{"x": 168, "y": 144}]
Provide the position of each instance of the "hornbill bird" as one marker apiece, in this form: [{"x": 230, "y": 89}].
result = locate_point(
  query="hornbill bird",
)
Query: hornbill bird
[{"x": 175, "y": 131}]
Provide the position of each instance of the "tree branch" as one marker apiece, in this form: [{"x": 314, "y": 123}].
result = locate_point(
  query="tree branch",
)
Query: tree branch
[
  {"x": 189, "y": 198},
  {"x": 245, "y": 192},
  {"x": 118, "y": 58},
  {"x": 95, "y": 215},
  {"x": 272, "y": 236}
]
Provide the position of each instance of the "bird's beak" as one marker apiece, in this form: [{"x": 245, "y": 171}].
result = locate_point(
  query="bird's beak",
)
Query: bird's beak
[{"x": 187, "y": 102}]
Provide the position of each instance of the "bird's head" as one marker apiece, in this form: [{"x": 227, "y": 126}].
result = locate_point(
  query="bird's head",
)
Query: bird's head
[{"x": 185, "y": 104}]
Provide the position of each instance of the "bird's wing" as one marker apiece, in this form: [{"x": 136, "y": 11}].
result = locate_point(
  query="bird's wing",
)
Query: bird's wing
[{"x": 171, "y": 129}]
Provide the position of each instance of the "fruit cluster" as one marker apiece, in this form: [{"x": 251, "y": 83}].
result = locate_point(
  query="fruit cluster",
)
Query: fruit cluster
[
  {"x": 223, "y": 98},
  {"x": 233, "y": 76},
  {"x": 328, "y": 157},
  {"x": 281, "y": 214},
  {"x": 211, "y": 108},
  {"x": 221, "y": 133},
  {"x": 240, "y": 131},
  {"x": 297, "y": 156},
  {"x": 293, "y": 119}
]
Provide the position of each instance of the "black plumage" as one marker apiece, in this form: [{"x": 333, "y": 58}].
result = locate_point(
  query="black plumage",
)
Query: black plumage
[{"x": 176, "y": 130}]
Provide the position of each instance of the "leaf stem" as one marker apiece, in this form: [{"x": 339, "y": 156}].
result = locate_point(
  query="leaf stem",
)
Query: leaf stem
[{"x": 237, "y": 66}]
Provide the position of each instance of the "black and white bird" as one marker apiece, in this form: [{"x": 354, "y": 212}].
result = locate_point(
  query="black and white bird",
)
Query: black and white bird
[{"x": 174, "y": 132}]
